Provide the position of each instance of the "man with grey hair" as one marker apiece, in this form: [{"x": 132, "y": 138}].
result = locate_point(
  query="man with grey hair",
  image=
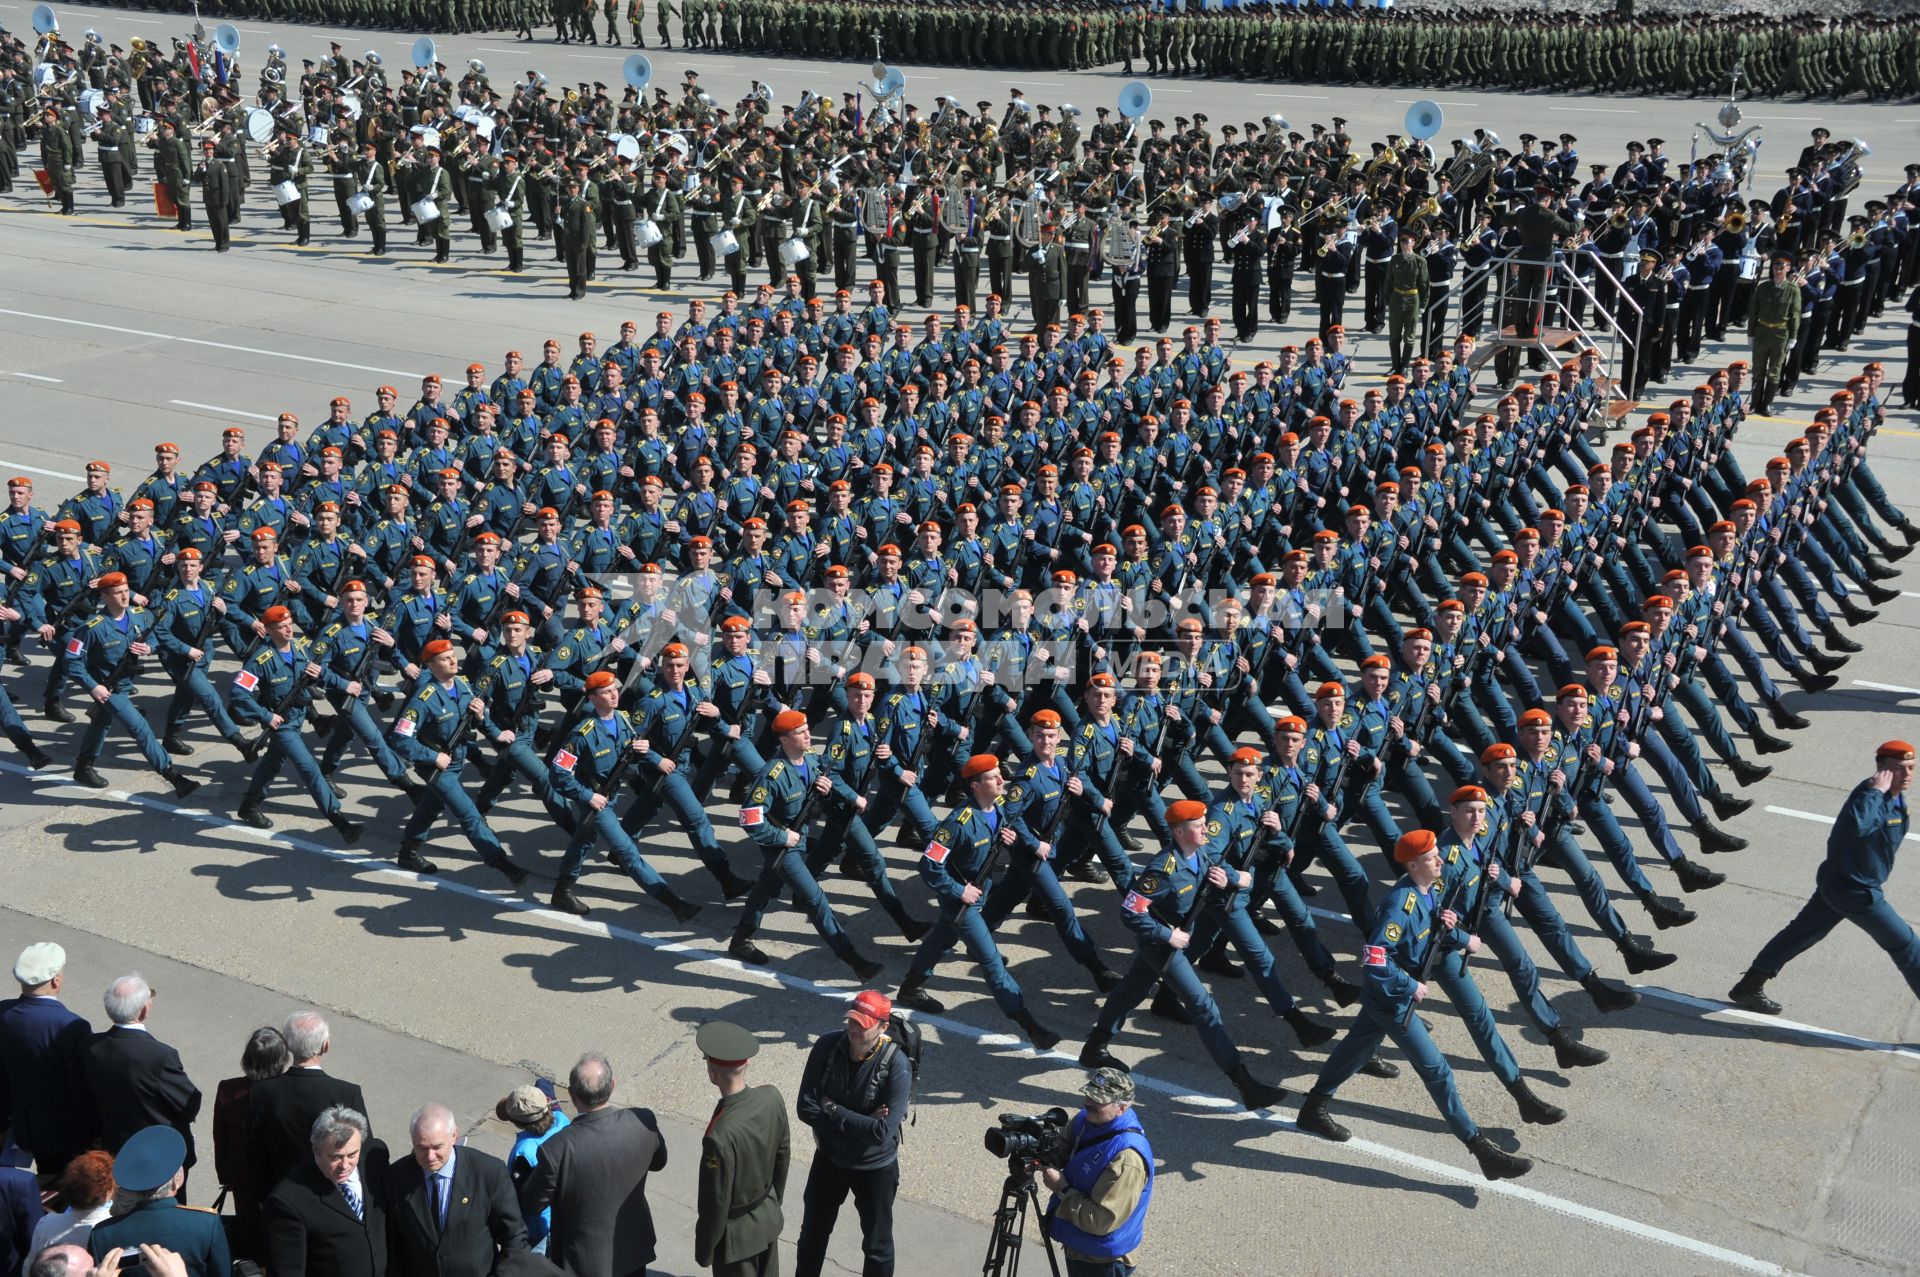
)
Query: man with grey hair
[
  {"x": 282, "y": 1108},
  {"x": 594, "y": 1175},
  {"x": 327, "y": 1217},
  {"x": 451, "y": 1209},
  {"x": 137, "y": 1080},
  {"x": 44, "y": 1104}
]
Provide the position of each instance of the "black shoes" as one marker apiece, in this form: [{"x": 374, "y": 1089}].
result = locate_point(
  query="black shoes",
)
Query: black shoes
[
  {"x": 1314, "y": 1119},
  {"x": 1694, "y": 878},
  {"x": 413, "y": 862},
  {"x": 174, "y": 745},
  {"x": 1746, "y": 773},
  {"x": 743, "y": 948},
  {"x": 1641, "y": 957},
  {"x": 1715, "y": 839},
  {"x": 251, "y": 815},
  {"x": 349, "y": 830},
  {"x": 1344, "y": 991},
  {"x": 1094, "y": 1055},
  {"x": 1610, "y": 995},
  {"x": 1668, "y": 913},
  {"x": 1751, "y": 993},
  {"x": 1533, "y": 1109},
  {"x": 917, "y": 997},
  {"x": 565, "y": 901},
  {"x": 513, "y": 873},
  {"x": 1496, "y": 1162},
  {"x": 182, "y": 783},
  {"x": 1037, "y": 1033},
  {"x": 861, "y": 965},
  {"x": 1254, "y": 1093},
  {"x": 1311, "y": 1033},
  {"x": 682, "y": 910}
]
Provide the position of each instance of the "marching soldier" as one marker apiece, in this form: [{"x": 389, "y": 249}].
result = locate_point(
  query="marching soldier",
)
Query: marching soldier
[
  {"x": 274, "y": 689},
  {"x": 102, "y": 656}
]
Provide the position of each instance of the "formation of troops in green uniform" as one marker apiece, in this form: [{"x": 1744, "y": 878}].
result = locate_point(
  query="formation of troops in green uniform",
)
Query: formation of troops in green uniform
[
  {"x": 1685, "y": 54},
  {"x": 999, "y": 596}
]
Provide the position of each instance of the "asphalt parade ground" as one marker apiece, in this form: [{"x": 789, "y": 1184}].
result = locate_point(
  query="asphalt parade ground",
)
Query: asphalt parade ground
[{"x": 1713, "y": 1141}]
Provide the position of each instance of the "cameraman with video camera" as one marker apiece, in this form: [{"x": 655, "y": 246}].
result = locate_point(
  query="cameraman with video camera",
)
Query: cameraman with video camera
[{"x": 1104, "y": 1182}]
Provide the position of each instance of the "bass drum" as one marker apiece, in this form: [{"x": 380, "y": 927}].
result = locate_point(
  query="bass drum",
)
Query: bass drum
[{"x": 259, "y": 125}]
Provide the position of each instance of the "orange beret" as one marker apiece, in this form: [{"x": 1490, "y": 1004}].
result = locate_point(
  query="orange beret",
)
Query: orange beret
[
  {"x": 601, "y": 678},
  {"x": 1536, "y": 718},
  {"x": 1468, "y": 794},
  {"x": 1185, "y": 811},
  {"x": 979, "y": 765},
  {"x": 1496, "y": 752},
  {"x": 435, "y": 648},
  {"x": 1898, "y": 750},
  {"x": 1413, "y": 844},
  {"x": 788, "y": 720}
]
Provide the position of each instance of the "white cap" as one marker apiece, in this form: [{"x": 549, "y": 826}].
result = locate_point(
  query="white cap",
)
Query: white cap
[{"x": 39, "y": 963}]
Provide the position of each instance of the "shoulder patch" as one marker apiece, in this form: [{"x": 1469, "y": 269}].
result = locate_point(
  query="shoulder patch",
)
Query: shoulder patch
[
  {"x": 1213, "y": 829},
  {"x": 1392, "y": 932},
  {"x": 1148, "y": 883}
]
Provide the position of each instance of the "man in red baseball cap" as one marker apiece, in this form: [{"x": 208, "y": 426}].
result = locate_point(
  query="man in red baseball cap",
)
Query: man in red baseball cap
[
  {"x": 1850, "y": 885},
  {"x": 854, "y": 1093}
]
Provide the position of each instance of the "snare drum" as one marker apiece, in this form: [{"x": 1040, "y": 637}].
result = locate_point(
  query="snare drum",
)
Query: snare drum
[
  {"x": 646, "y": 234},
  {"x": 425, "y": 211},
  {"x": 793, "y": 251},
  {"x": 359, "y": 202},
  {"x": 725, "y": 244},
  {"x": 499, "y": 219},
  {"x": 285, "y": 193}
]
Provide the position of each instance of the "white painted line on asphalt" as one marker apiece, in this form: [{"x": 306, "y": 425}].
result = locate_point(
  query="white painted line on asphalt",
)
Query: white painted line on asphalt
[
  {"x": 1593, "y": 110},
  {"x": 51, "y": 474},
  {"x": 1173, "y": 90},
  {"x": 1297, "y": 97},
  {"x": 1818, "y": 818},
  {"x": 699, "y": 953},
  {"x": 1801, "y": 118},
  {"x": 1887, "y": 687},
  {"x": 1773, "y": 1021},
  {"x": 34, "y": 376},
  {"x": 1411, "y": 101},
  {"x": 1912, "y": 594},
  {"x": 218, "y": 411},
  {"x": 214, "y": 345}
]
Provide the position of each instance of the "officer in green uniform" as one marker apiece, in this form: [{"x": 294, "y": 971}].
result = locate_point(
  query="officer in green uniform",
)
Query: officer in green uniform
[
  {"x": 1407, "y": 286},
  {"x": 56, "y": 156},
  {"x": 148, "y": 1176},
  {"x": 172, "y": 169},
  {"x": 743, "y": 1162},
  {"x": 1773, "y": 323}
]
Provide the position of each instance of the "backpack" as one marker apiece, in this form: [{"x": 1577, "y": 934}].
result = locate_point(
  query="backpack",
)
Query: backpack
[{"x": 903, "y": 1038}]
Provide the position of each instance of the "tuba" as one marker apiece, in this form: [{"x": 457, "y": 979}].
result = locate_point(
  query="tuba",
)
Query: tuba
[
  {"x": 956, "y": 205},
  {"x": 876, "y": 211},
  {"x": 1026, "y": 222}
]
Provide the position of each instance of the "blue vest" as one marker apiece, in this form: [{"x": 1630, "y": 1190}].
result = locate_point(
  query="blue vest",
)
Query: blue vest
[{"x": 1093, "y": 1151}]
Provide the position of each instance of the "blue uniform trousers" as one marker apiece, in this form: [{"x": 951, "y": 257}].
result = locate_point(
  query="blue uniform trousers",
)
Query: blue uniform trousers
[
  {"x": 1154, "y": 963},
  {"x": 1141, "y": 798},
  {"x": 1379, "y": 821},
  {"x": 16, "y": 731},
  {"x": 845, "y": 832},
  {"x": 964, "y": 925},
  {"x": 1319, "y": 841},
  {"x": 119, "y": 708},
  {"x": 355, "y": 722},
  {"x": 197, "y": 689},
  {"x": 1686, "y": 796},
  {"x": 445, "y": 794},
  {"x": 789, "y": 868},
  {"x": 594, "y": 825},
  {"x": 1537, "y": 907},
  {"x": 1269, "y": 883},
  {"x": 674, "y": 791},
  {"x": 1451, "y": 974},
  {"x": 1028, "y": 877},
  {"x": 1868, "y": 485},
  {"x": 1378, "y": 1021},
  {"x": 1724, "y": 685},
  {"x": 288, "y": 747},
  {"x": 1089, "y": 835},
  {"x": 519, "y": 759},
  {"x": 893, "y": 799},
  {"x": 1453, "y": 760},
  {"x": 1685, "y": 748},
  {"x": 1501, "y": 938},
  {"x": 1563, "y": 850},
  {"x": 1619, "y": 850},
  {"x": 1406, "y": 778},
  {"x": 1706, "y": 716},
  {"x": 1234, "y": 926},
  {"x": 1824, "y": 911}
]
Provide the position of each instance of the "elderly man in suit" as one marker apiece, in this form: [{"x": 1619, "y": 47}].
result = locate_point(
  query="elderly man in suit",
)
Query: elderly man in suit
[
  {"x": 44, "y": 1102},
  {"x": 451, "y": 1211},
  {"x": 594, "y": 1175},
  {"x": 282, "y": 1109},
  {"x": 327, "y": 1217},
  {"x": 137, "y": 1080}
]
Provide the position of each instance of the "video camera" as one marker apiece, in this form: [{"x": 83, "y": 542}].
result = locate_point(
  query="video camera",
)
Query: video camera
[{"x": 1028, "y": 1141}]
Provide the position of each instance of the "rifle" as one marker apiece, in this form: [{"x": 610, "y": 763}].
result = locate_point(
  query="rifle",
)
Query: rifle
[
  {"x": 469, "y": 723},
  {"x": 81, "y": 599},
  {"x": 251, "y": 749},
  {"x": 1450, "y": 901},
  {"x": 123, "y": 667},
  {"x": 202, "y": 636}
]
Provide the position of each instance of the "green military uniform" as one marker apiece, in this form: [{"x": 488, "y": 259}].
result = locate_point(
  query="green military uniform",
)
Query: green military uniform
[
  {"x": 1407, "y": 287},
  {"x": 743, "y": 1165},
  {"x": 1774, "y": 325}
]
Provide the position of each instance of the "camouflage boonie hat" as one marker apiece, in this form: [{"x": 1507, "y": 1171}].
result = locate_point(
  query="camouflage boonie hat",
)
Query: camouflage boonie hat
[{"x": 1108, "y": 1086}]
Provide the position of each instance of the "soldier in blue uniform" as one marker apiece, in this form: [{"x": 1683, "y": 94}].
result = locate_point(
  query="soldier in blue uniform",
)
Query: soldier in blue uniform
[
  {"x": 670, "y": 716},
  {"x": 960, "y": 864},
  {"x": 776, "y": 816},
  {"x": 348, "y": 651},
  {"x": 139, "y": 553},
  {"x": 96, "y": 508},
  {"x": 586, "y": 766},
  {"x": 431, "y": 733},
  {"x": 1850, "y": 885},
  {"x": 10, "y": 722},
  {"x": 187, "y": 617},
  {"x": 149, "y": 1175},
  {"x": 101, "y": 658},
  {"x": 513, "y": 684},
  {"x": 1046, "y": 789},
  {"x": 1160, "y": 909},
  {"x": 254, "y": 587},
  {"x": 55, "y": 596},
  {"x": 849, "y": 761},
  {"x": 274, "y": 689},
  {"x": 1417, "y": 915}
]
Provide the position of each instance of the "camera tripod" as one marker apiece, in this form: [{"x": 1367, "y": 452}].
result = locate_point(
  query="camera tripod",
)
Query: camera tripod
[{"x": 1010, "y": 1226}]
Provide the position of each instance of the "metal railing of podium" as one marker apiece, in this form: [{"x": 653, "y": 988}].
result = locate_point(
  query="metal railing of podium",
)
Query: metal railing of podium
[{"x": 1561, "y": 299}]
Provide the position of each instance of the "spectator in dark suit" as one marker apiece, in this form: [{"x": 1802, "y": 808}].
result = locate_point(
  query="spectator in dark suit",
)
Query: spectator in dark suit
[
  {"x": 284, "y": 1107},
  {"x": 266, "y": 1056},
  {"x": 44, "y": 1103},
  {"x": 451, "y": 1211},
  {"x": 137, "y": 1080},
  {"x": 326, "y": 1218},
  {"x": 594, "y": 1175},
  {"x": 20, "y": 1211}
]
